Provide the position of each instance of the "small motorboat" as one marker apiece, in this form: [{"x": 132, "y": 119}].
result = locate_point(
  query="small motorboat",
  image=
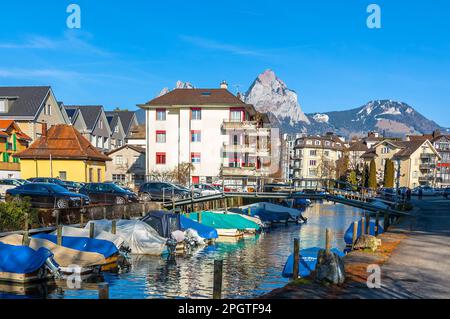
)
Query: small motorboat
[
  {"x": 204, "y": 231},
  {"x": 22, "y": 264},
  {"x": 307, "y": 262},
  {"x": 279, "y": 213},
  {"x": 348, "y": 237}
]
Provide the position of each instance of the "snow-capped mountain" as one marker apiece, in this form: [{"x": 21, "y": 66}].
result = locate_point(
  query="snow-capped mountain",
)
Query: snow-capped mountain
[
  {"x": 390, "y": 117},
  {"x": 178, "y": 85},
  {"x": 269, "y": 94}
]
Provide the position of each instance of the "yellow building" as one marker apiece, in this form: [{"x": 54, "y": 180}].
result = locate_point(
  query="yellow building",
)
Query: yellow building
[
  {"x": 12, "y": 141},
  {"x": 62, "y": 152}
]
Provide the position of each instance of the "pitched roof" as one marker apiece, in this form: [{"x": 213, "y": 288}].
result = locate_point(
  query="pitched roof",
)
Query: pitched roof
[
  {"x": 137, "y": 132},
  {"x": 126, "y": 117},
  {"x": 26, "y": 100},
  {"x": 63, "y": 142},
  {"x": 196, "y": 97},
  {"x": 113, "y": 120},
  {"x": 5, "y": 125},
  {"x": 133, "y": 147},
  {"x": 408, "y": 148},
  {"x": 358, "y": 146},
  {"x": 90, "y": 113}
]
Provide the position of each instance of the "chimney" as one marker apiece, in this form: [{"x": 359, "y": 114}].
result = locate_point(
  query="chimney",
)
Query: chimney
[
  {"x": 44, "y": 129},
  {"x": 224, "y": 85}
]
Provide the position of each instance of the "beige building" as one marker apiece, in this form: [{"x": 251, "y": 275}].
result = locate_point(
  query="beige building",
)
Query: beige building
[
  {"x": 417, "y": 161},
  {"x": 315, "y": 159},
  {"x": 31, "y": 106},
  {"x": 127, "y": 166}
]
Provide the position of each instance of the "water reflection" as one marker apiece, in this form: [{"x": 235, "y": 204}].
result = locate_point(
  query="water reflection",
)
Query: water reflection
[{"x": 252, "y": 266}]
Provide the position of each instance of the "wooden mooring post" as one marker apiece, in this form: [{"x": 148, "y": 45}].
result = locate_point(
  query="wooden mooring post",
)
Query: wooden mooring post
[
  {"x": 59, "y": 235},
  {"x": 363, "y": 226},
  {"x": 82, "y": 220},
  {"x": 114, "y": 227},
  {"x": 377, "y": 223},
  {"x": 103, "y": 291},
  {"x": 296, "y": 258},
  {"x": 217, "y": 283},
  {"x": 355, "y": 234},
  {"x": 367, "y": 224},
  {"x": 200, "y": 217},
  {"x": 91, "y": 230},
  {"x": 26, "y": 235},
  {"x": 328, "y": 240},
  {"x": 386, "y": 221}
]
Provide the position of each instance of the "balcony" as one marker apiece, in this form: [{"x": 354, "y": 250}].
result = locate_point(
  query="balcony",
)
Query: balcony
[
  {"x": 9, "y": 166},
  {"x": 427, "y": 166},
  {"x": 427, "y": 156},
  {"x": 260, "y": 132},
  {"x": 263, "y": 152},
  {"x": 426, "y": 178},
  {"x": 239, "y": 148},
  {"x": 239, "y": 171},
  {"x": 245, "y": 125}
]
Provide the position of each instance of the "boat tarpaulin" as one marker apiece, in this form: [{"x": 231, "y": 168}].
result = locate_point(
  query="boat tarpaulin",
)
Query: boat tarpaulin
[
  {"x": 225, "y": 221},
  {"x": 307, "y": 261},
  {"x": 64, "y": 256},
  {"x": 164, "y": 222},
  {"x": 138, "y": 236},
  {"x": 22, "y": 259},
  {"x": 98, "y": 234},
  {"x": 204, "y": 231},
  {"x": 348, "y": 237},
  {"x": 103, "y": 247}
]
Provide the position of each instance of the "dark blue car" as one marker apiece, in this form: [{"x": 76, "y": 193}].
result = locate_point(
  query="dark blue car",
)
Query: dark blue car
[
  {"x": 108, "y": 193},
  {"x": 47, "y": 195},
  {"x": 67, "y": 185}
]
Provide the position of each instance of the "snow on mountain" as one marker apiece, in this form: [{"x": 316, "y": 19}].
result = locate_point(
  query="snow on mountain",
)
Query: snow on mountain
[
  {"x": 178, "y": 85},
  {"x": 269, "y": 94},
  {"x": 321, "y": 118}
]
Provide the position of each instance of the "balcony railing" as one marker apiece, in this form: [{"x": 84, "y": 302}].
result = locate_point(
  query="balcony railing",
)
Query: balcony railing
[
  {"x": 426, "y": 178},
  {"x": 244, "y": 125},
  {"x": 239, "y": 171},
  {"x": 427, "y": 166},
  {"x": 9, "y": 166},
  {"x": 239, "y": 148}
]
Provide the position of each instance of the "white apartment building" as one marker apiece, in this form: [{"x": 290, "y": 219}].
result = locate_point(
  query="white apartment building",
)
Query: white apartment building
[
  {"x": 210, "y": 128},
  {"x": 315, "y": 159}
]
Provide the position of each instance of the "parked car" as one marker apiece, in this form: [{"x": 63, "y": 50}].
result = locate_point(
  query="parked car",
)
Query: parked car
[
  {"x": 205, "y": 189},
  {"x": 108, "y": 193},
  {"x": 14, "y": 182},
  {"x": 74, "y": 185},
  {"x": 426, "y": 191},
  {"x": 447, "y": 192},
  {"x": 47, "y": 195},
  {"x": 219, "y": 187},
  {"x": 54, "y": 181},
  {"x": 159, "y": 191},
  {"x": 4, "y": 186}
]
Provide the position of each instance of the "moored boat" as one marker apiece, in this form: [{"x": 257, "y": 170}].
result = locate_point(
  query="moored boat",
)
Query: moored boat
[{"x": 348, "y": 237}]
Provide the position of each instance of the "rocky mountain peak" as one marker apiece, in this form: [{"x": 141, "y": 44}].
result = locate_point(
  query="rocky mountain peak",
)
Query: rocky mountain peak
[{"x": 178, "y": 85}]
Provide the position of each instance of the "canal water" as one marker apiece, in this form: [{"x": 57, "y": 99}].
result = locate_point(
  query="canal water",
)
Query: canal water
[{"x": 252, "y": 266}]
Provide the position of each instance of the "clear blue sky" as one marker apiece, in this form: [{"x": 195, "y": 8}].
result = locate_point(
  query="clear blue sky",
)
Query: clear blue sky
[{"x": 127, "y": 51}]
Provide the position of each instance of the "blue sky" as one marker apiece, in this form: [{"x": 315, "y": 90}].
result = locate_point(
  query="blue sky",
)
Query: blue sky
[{"x": 127, "y": 51}]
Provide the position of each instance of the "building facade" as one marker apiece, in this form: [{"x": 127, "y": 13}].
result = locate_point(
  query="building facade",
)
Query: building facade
[
  {"x": 211, "y": 128},
  {"x": 127, "y": 166},
  {"x": 62, "y": 152},
  {"x": 315, "y": 159}
]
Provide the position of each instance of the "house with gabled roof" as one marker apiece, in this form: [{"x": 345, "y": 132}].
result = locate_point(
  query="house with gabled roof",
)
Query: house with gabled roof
[
  {"x": 118, "y": 135},
  {"x": 63, "y": 152},
  {"x": 127, "y": 166},
  {"x": 128, "y": 119},
  {"x": 12, "y": 141},
  {"x": 29, "y": 107},
  {"x": 415, "y": 161},
  {"x": 92, "y": 122}
]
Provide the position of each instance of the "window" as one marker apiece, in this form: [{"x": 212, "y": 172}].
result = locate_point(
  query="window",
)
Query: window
[
  {"x": 100, "y": 124},
  {"x": 91, "y": 175},
  {"x": 121, "y": 178},
  {"x": 161, "y": 114},
  {"x": 308, "y": 142},
  {"x": 99, "y": 175},
  {"x": 3, "y": 104},
  {"x": 326, "y": 153},
  {"x": 312, "y": 153},
  {"x": 196, "y": 158},
  {"x": 196, "y": 114},
  {"x": 48, "y": 109},
  {"x": 160, "y": 136},
  {"x": 196, "y": 136},
  {"x": 236, "y": 115},
  {"x": 63, "y": 176},
  {"x": 312, "y": 172},
  {"x": 160, "y": 158},
  {"x": 385, "y": 150},
  {"x": 116, "y": 129},
  {"x": 312, "y": 162},
  {"x": 327, "y": 143},
  {"x": 317, "y": 142},
  {"x": 118, "y": 160}
]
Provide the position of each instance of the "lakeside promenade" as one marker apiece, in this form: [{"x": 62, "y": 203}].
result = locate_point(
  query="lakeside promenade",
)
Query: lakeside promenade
[{"x": 414, "y": 260}]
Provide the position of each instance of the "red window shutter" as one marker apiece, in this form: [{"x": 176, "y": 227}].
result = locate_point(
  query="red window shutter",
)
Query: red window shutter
[{"x": 160, "y": 158}]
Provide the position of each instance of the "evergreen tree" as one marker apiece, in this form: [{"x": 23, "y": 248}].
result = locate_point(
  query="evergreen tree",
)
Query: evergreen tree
[
  {"x": 365, "y": 176},
  {"x": 373, "y": 175},
  {"x": 389, "y": 172},
  {"x": 352, "y": 179}
]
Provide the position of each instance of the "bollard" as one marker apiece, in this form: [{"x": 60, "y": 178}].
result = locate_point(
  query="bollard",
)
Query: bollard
[
  {"x": 217, "y": 288},
  {"x": 91, "y": 230},
  {"x": 103, "y": 291},
  {"x": 363, "y": 226},
  {"x": 355, "y": 234},
  {"x": 386, "y": 221},
  {"x": 377, "y": 222},
  {"x": 296, "y": 258},
  {"x": 328, "y": 240},
  {"x": 81, "y": 220},
  {"x": 114, "y": 227},
  {"x": 58, "y": 221},
  {"x": 26, "y": 235},
  {"x": 59, "y": 236}
]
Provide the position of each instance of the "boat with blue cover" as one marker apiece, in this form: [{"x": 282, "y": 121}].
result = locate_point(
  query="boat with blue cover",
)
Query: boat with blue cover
[
  {"x": 278, "y": 213},
  {"x": 307, "y": 262},
  {"x": 348, "y": 237},
  {"x": 204, "y": 231},
  {"x": 21, "y": 264}
]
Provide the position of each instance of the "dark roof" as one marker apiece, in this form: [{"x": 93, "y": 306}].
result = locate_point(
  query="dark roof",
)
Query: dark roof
[
  {"x": 137, "y": 132},
  {"x": 358, "y": 146},
  {"x": 126, "y": 117},
  {"x": 408, "y": 148},
  {"x": 371, "y": 153},
  {"x": 28, "y": 102},
  {"x": 90, "y": 113},
  {"x": 71, "y": 113},
  {"x": 133, "y": 147},
  {"x": 113, "y": 119},
  {"x": 196, "y": 97},
  {"x": 62, "y": 142}
]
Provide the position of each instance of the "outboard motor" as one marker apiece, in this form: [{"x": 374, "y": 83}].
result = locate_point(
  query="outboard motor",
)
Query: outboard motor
[
  {"x": 53, "y": 267},
  {"x": 172, "y": 246}
]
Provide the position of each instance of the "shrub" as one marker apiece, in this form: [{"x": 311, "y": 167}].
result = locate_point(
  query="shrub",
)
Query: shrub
[{"x": 12, "y": 215}]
